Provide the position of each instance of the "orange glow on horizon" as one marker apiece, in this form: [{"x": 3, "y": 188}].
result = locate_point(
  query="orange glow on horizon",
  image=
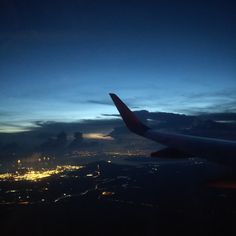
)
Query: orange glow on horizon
[{"x": 99, "y": 136}]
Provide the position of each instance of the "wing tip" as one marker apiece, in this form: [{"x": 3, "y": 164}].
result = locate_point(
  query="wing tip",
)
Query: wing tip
[
  {"x": 131, "y": 121},
  {"x": 113, "y": 95}
]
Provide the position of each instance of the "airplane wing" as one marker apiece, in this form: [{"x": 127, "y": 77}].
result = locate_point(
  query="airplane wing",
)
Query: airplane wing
[{"x": 217, "y": 150}]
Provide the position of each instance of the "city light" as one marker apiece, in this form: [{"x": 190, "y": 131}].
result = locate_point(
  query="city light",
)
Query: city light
[
  {"x": 37, "y": 175},
  {"x": 105, "y": 193}
]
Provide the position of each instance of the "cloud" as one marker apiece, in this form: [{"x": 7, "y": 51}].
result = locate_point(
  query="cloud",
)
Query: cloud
[
  {"x": 7, "y": 114},
  {"x": 220, "y": 116},
  {"x": 221, "y": 101},
  {"x": 99, "y": 125},
  {"x": 220, "y": 107},
  {"x": 39, "y": 131},
  {"x": 9, "y": 127},
  {"x": 100, "y": 102},
  {"x": 4, "y": 114},
  {"x": 224, "y": 93},
  {"x": 227, "y": 107},
  {"x": 110, "y": 115}
]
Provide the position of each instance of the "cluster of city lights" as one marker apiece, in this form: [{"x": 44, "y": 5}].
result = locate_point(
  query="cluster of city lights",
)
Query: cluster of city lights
[
  {"x": 77, "y": 153},
  {"x": 36, "y": 175},
  {"x": 126, "y": 153}
]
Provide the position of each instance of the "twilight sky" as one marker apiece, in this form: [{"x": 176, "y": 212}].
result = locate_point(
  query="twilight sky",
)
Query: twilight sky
[{"x": 60, "y": 59}]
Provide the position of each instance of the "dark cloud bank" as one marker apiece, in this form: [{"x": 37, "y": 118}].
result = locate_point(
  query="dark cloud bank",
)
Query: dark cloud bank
[{"x": 218, "y": 125}]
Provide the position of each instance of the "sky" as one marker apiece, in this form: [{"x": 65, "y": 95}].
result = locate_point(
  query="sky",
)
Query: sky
[{"x": 60, "y": 59}]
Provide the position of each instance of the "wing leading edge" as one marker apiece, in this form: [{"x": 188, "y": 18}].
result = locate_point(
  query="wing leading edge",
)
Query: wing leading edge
[{"x": 218, "y": 150}]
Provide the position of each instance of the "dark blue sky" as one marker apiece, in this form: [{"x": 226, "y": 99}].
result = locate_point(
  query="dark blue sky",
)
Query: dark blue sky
[{"x": 60, "y": 59}]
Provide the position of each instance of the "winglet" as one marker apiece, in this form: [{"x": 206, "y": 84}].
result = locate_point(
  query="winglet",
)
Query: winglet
[{"x": 131, "y": 121}]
